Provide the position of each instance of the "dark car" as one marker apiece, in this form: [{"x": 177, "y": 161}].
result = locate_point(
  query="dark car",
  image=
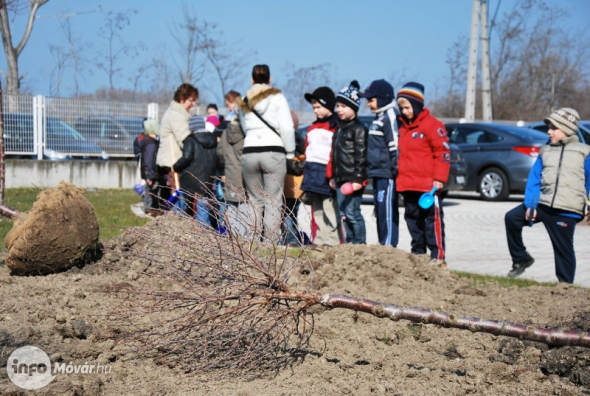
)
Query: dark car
[
  {"x": 113, "y": 134},
  {"x": 499, "y": 157},
  {"x": 583, "y": 131},
  {"x": 61, "y": 140},
  {"x": 457, "y": 173}
]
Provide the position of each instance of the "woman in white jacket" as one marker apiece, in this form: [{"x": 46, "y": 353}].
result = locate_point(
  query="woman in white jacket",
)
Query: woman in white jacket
[
  {"x": 266, "y": 121},
  {"x": 174, "y": 128}
]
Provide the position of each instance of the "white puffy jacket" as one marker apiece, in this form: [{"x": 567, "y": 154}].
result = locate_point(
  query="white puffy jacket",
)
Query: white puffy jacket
[{"x": 271, "y": 104}]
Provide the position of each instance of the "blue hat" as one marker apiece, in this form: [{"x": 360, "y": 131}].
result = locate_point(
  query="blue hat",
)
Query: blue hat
[
  {"x": 349, "y": 95},
  {"x": 380, "y": 89},
  {"x": 197, "y": 124}
]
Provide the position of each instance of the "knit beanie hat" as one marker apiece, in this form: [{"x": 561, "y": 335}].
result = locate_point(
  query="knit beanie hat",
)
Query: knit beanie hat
[
  {"x": 197, "y": 124},
  {"x": 349, "y": 96},
  {"x": 566, "y": 119},
  {"x": 324, "y": 95},
  {"x": 211, "y": 123},
  {"x": 414, "y": 92},
  {"x": 151, "y": 127},
  {"x": 381, "y": 90}
]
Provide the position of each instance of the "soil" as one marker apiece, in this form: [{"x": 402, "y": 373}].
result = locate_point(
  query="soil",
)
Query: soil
[
  {"x": 60, "y": 231},
  {"x": 65, "y": 314}
]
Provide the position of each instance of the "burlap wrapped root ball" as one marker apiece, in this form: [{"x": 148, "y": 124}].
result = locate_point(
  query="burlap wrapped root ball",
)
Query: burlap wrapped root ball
[{"x": 60, "y": 231}]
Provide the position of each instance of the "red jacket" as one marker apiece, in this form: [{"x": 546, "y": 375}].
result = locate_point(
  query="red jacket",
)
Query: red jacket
[{"x": 424, "y": 153}]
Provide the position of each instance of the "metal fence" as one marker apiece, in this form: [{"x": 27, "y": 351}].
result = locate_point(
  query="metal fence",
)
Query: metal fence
[{"x": 63, "y": 128}]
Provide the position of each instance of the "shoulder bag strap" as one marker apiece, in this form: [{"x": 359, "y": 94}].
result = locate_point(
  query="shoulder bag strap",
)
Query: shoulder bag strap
[{"x": 261, "y": 119}]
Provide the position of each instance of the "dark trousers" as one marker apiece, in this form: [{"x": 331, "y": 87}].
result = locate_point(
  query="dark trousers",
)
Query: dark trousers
[
  {"x": 385, "y": 199},
  {"x": 561, "y": 232},
  {"x": 426, "y": 226}
]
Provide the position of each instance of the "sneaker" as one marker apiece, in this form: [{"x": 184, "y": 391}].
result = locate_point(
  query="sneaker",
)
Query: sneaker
[
  {"x": 518, "y": 268},
  {"x": 439, "y": 263}
]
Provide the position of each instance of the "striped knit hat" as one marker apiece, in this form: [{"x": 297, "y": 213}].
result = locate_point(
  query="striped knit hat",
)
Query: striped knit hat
[
  {"x": 566, "y": 119},
  {"x": 197, "y": 124},
  {"x": 414, "y": 92}
]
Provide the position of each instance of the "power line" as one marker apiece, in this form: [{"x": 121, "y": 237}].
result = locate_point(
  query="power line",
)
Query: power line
[{"x": 98, "y": 9}]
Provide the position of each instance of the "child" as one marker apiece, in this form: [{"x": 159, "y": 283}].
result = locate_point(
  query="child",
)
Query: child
[
  {"x": 348, "y": 163},
  {"x": 382, "y": 159},
  {"x": 318, "y": 146},
  {"x": 423, "y": 162},
  {"x": 555, "y": 195},
  {"x": 198, "y": 164},
  {"x": 148, "y": 146}
]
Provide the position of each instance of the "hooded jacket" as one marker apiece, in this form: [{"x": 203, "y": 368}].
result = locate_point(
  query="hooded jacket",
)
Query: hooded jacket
[
  {"x": 271, "y": 105},
  {"x": 173, "y": 131},
  {"x": 148, "y": 148},
  {"x": 383, "y": 142},
  {"x": 229, "y": 151},
  {"x": 198, "y": 163},
  {"x": 424, "y": 153}
]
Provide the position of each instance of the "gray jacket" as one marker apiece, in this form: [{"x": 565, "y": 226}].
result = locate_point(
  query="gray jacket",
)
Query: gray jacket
[
  {"x": 563, "y": 179},
  {"x": 229, "y": 151}
]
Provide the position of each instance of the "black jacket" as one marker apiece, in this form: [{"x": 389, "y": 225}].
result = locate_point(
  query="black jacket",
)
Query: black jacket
[
  {"x": 349, "y": 152},
  {"x": 198, "y": 163}
]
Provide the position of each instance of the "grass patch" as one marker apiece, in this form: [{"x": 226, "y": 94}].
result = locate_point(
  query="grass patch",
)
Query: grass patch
[
  {"x": 477, "y": 280},
  {"x": 111, "y": 208}
]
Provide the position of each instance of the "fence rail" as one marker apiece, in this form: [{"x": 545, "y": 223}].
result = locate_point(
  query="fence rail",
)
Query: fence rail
[{"x": 63, "y": 128}]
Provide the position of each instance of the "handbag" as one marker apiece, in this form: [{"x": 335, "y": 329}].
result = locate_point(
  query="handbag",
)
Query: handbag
[{"x": 295, "y": 165}]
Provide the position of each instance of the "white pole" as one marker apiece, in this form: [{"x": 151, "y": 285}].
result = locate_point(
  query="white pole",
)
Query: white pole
[
  {"x": 472, "y": 69},
  {"x": 485, "y": 65}
]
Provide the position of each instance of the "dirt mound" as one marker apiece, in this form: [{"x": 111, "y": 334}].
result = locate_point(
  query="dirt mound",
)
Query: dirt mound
[
  {"x": 66, "y": 315},
  {"x": 60, "y": 231}
]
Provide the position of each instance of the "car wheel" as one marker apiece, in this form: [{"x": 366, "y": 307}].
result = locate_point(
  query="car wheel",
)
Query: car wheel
[{"x": 493, "y": 185}]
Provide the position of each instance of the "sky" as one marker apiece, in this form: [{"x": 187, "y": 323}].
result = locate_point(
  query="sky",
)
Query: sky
[{"x": 363, "y": 40}]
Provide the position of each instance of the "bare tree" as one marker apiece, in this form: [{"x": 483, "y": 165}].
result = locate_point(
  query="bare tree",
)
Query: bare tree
[
  {"x": 12, "y": 53},
  {"x": 110, "y": 60},
  {"x": 305, "y": 79},
  {"x": 228, "y": 63},
  {"x": 452, "y": 103},
  {"x": 190, "y": 37},
  {"x": 61, "y": 59}
]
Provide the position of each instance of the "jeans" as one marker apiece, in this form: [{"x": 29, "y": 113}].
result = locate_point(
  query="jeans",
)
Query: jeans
[
  {"x": 290, "y": 232},
  {"x": 352, "y": 218}
]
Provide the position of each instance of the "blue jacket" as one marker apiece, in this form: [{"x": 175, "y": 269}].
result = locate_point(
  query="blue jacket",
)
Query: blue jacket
[{"x": 383, "y": 143}]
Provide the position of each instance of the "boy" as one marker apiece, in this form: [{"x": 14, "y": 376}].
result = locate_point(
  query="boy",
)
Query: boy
[
  {"x": 423, "y": 162},
  {"x": 318, "y": 146},
  {"x": 382, "y": 159},
  {"x": 555, "y": 195},
  {"x": 348, "y": 163},
  {"x": 148, "y": 146},
  {"x": 198, "y": 165}
]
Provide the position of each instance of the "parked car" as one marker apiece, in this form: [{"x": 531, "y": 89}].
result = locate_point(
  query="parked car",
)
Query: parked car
[
  {"x": 457, "y": 173},
  {"x": 499, "y": 157},
  {"x": 583, "y": 132},
  {"x": 61, "y": 140},
  {"x": 113, "y": 134}
]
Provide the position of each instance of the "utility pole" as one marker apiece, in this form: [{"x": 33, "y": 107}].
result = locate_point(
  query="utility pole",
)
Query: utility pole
[{"x": 479, "y": 14}]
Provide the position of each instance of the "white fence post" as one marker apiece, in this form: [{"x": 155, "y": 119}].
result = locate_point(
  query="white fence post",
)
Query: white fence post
[
  {"x": 39, "y": 125},
  {"x": 152, "y": 111}
]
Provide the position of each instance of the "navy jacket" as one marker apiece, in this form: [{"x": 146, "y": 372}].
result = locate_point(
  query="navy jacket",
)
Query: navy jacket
[
  {"x": 148, "y": 148},
  {"x": 383, "y": 142}
]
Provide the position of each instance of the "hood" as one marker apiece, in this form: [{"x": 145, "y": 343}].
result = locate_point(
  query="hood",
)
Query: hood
[
  {"x": 258, "y": 98},
  {"x": 387, "y": 107},
  {"x": 206, "y": 139},
  {"x": 234, "y": 132}
]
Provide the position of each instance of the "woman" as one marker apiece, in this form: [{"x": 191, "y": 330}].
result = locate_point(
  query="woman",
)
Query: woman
[
  {"x": 270, "y": 140},
  {"x": 174, "y": 129}
]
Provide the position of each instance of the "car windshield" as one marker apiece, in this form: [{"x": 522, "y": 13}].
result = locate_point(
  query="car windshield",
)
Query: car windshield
[
  {"x": 57, "y": 129},
  {"x": 585, "y": 125}
]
